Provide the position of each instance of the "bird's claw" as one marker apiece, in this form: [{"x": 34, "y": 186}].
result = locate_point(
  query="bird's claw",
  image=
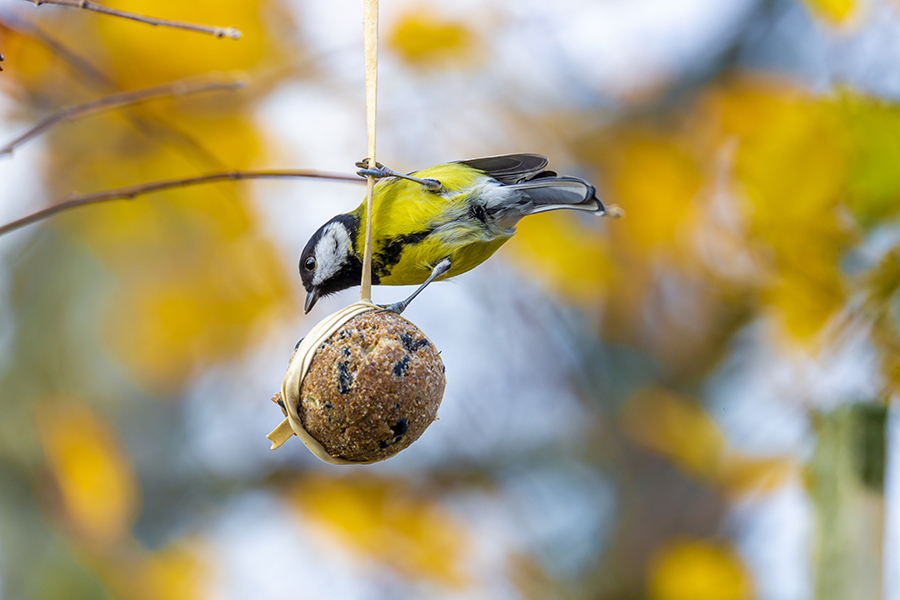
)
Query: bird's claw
[
  {"x": 396, "y": 307},
  {"x": 364, "y": 164}
]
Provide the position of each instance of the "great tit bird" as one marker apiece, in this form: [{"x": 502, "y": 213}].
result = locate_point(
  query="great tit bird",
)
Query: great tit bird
[{"x": 437, "y": 223}]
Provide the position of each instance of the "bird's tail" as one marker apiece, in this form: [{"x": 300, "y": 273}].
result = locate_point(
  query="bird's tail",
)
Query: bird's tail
[{"x": 551, "y": 193}]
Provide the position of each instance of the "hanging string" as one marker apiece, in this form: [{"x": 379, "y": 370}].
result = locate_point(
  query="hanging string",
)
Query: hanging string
[{"x": 370, "y": 35}]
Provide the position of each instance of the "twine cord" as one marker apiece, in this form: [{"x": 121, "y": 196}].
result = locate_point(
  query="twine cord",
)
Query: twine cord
[{"x": 370, "y": 25}]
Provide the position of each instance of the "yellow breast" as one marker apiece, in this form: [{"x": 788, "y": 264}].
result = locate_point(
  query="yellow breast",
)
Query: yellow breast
[{"x": 414, "y": 228}]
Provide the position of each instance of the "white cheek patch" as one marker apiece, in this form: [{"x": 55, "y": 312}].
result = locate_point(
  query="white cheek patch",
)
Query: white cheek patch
[{"x": 332, "y": 250}]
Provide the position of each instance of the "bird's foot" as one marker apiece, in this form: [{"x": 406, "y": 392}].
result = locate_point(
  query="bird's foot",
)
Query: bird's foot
[
  {"x": 380, "y": 171},
  {"x": 438, "y": 270},
  {"x": 396, "y": 307}
]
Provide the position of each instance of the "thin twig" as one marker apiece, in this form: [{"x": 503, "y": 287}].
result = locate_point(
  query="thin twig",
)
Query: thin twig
[
  {"x": 228, "y": 32},
  {"x": 176, "y": 88},
  {"x": 154, "y": 125},
  {"x": 132, "y": 191},
  {"x": 24, "y": 27}
]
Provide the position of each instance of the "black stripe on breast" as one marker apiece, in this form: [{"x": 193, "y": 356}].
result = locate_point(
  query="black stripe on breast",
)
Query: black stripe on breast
[{"x": 389, "y": 255}]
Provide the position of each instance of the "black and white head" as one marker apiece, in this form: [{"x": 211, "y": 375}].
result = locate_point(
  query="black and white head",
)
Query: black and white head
[{"x": 329, "y": 264}]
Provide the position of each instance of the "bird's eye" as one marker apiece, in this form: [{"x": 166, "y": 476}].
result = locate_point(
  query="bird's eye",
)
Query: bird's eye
[{"x": 310, "y": 264}]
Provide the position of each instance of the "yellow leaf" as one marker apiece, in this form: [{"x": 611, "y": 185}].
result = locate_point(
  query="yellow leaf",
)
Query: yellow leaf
[
  {"x": 176, "y": 572},
  {"x": 384, "y": 520},
  {"x": 677, "y": 428},
  {"x": 803, "y": 301},
  {"x": 698, "y": 570},
  {"x": 792, "y": 171},
  {"x": 28, "y": 62},
  {"x": 193, "y": 279},
  {"x": 422, "y": 39},
  {"x": 95, "y": 479},
  {"x": 173, "y": 574},
  {"x": 793, "y": 168},
  {"x": 746, "y": 475},
  {"x": 655, "y": 179},
  {"x": 874, "y": 180},
  {"x": 164, "y": 325},
  {"x": 836, "y": 11},
  {"x": 560, "y": 250},
  {"x": 143, "y": 55},
  {"x": 165, "y": 226}
]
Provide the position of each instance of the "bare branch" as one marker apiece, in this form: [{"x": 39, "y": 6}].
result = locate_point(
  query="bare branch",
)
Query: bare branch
[
  {"x": 24, "y": 27},
  {"x": 132, "y": 191},
  {"x": 154, "y": 125},
  {"x": 228, "y": 32},
  {"x": 176, "y": 88}
]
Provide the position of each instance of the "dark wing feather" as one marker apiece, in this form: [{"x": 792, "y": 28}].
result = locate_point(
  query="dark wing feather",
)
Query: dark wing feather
[
  {"x": 509, "y": 168},
  {"x": 551, "y": 193}
]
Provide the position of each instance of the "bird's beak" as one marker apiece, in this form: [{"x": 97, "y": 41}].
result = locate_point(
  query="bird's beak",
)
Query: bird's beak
[{"x": 311, "y": 298}]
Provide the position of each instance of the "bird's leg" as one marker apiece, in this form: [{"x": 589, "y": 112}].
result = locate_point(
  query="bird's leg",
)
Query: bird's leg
[
  {"x": 438, "y": 270},
  {"x": 382, "y": 171}
]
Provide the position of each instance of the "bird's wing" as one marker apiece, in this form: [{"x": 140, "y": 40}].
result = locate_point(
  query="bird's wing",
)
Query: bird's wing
[{"x": 509, "y": 168}]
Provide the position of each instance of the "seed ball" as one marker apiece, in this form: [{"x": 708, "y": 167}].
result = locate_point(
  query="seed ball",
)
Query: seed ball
[{"x": 372, "y": 389}]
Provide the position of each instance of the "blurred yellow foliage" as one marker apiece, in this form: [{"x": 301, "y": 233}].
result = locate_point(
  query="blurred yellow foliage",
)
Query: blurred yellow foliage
[
  {"x": 193, "y": 313},
  {"x": 422, "y": 39},
  {"x": 175, "y": 573},
  {"x": 883, "y": 284},
  {"x": 387, "y": 522},
  {"x": 91, "y": 470},
  {"x": 836, "y": 11},
  {"x": 676, "y": 427},
  {"x": 791, "y": 168},
  {"x": 873, "y": 188},
  {"x": 655, "y": 180},
  {"x": 140, "y": 55},
  {"x": 753, "y": 475},
  {"x": 123, "y": 230},
  {"x": 754, "y": 171},
  {"x": 564, "y": 252},
  {"x": 195, "y": 279},
  {"x": 680, "y": 429},
  {"x": 698, "y": 570},
  {"x": 28, "y": 62}
]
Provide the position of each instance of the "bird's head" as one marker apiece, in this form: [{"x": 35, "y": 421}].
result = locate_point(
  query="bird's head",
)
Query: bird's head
[{"x": 329, "y": 264}]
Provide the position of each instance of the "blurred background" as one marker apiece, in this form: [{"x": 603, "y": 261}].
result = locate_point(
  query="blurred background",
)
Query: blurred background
[{"x": 689, "y": 403}]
